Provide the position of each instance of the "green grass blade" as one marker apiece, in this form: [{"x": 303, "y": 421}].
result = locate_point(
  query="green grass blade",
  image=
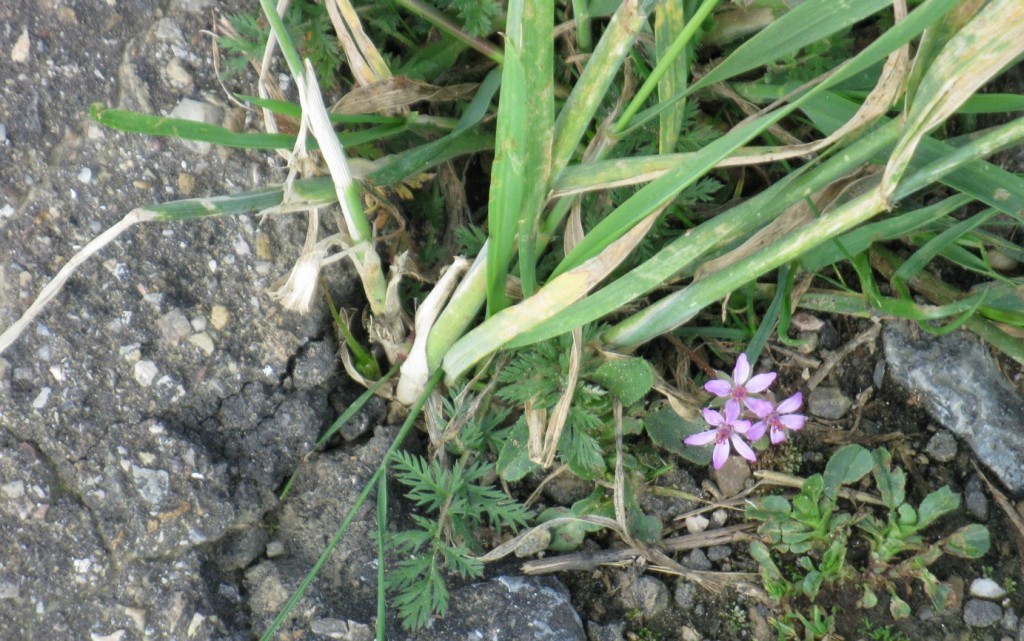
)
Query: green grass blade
[
  {"x": 284, "y": 39},
  {"x": 661, "y": 192},
  {"x": 534, "y": 39},
  {"x": 505, "y": 200},
  {"x": 863, "y": 237},
  {"x": 590, "y": 90},
  {"x": 313, "y": 191},
  {"x": 981, "y": 49},
  {"x": 148, "y": 124},
  {"x": 667, "y": 63},
  {"x": 680, "y": 307},
  {"x": 151, "y": 125},
  {"x": 982, "y": 180},
  {"x": 886, "y": 262},
  {"x": 382, "y": 531},
  {"x": 397, "y": 167},
  {"x": 669, "y": 185},
  {"x": 806, "y": 23},
  {"x": 293, "y": 110},
  {"x": 920, "y": 258},
  {"x": 669, "y": 20},
  {"x": 734, "y": 223}
]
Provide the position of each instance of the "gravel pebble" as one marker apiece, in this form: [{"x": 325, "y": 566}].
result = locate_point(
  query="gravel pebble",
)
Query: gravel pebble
[
  {"x": 878, "y": 375},
  {"x": 606, "y": 632},
  {"x": 145, "y": 373},
  {"x": 942, "y": 446},
  {"x": 974, "y": 498},
  {"x": 732, "y": 476},
  {"x": 696, "y": 524},
  {"x": 647, "y": 594},
  {"x": 979, "y": 613},
  {"x": 697, "y": 560},
  {"x": 829, "y": 403},
  {"x": 685, "y": 595},
  {"x": 985, "y": 588},
  {"x": 174, "y": 326}
]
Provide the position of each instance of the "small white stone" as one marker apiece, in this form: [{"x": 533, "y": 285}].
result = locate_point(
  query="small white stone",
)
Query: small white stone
[
  {"x": 145, "y": 373},
  {"x": 85, "y": 176},
  {"x": 719, "y": 517},
  {"x": 42, "y": 399},
  {"x": 13, "y": 490},
  {"x": 696, "y": 524},
  {"x": 178, "y": 74},
  {"x": 987, "y": 589},
  {"x": 275, "y": 549},
  {"x": 19, "y": 53},
  {"x": 203, "y": 341}
]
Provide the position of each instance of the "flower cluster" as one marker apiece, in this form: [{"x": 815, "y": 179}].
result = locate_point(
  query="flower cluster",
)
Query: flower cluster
[{"x": 744, "y": 396}]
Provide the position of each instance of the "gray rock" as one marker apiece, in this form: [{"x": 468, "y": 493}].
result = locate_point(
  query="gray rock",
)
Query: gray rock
[
  {"x": 697, "y": 560},
  {"x": 732, "y": 477},
  {"x": 942, "y": 446},
  {"x": 979, "y": 613},
  {"x": 963, "y": 389},
  {"x": 718, "y": 553},
  {"x": 1010, "y": 620},
  {"x": 829, "y": 403},
  {"x": 605, "y": 632},
  {"x": 685, "y": 594},
  {"x": 566, "y": 488},
  {"x": 510, "y": 608},
  {"x": 974, "y": 498},
  {"x": 344, "y": 630},
  {"x": 647, "y": 594},
  {"x": 1020, "y": 629},
  {"x": 174, "y": 326},
  {"x": 878, "y": 375}
]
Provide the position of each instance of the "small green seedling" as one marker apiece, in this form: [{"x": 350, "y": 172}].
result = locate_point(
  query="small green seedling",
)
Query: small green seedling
[{"x": 810, "y": 535}]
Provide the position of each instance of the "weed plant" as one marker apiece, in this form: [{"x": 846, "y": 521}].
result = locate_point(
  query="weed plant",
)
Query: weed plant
[{"x": 642, "y": 162}]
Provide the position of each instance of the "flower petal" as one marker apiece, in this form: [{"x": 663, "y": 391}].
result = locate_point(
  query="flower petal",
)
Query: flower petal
[
  {"x": 701, "y": 438},
  {"x": 741, "y": 372},
  {"x": 760, "y": 382},
  {"x": 756, "y": 431},
  {"x": 793, "y": 421},
  {"x": 791, "y": 404},
  {"x": 742, "y": 448},
  {"x": 718, "y": 387},
  {"x": 778, "y": 436},
  {"x": 713, "y": 417},
  {"x": 759, "y": 406},
  {"x": 741, "y": 427},
  {"x": 732, "y": 411},
  {"x": 720, "y": 455}
]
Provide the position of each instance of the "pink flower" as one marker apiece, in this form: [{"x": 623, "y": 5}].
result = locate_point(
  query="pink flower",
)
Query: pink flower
[
  {"x": 740, "y": 385},
  {"x": 777, "y": 417},
  {"x": 726, "y": 434}
]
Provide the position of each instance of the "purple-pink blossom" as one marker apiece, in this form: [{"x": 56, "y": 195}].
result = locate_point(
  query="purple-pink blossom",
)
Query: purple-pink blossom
[
  {"x": 726, "y": 435},
  {"x": 776, "y": 419},
  {"x": 737, "y": 388}
]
